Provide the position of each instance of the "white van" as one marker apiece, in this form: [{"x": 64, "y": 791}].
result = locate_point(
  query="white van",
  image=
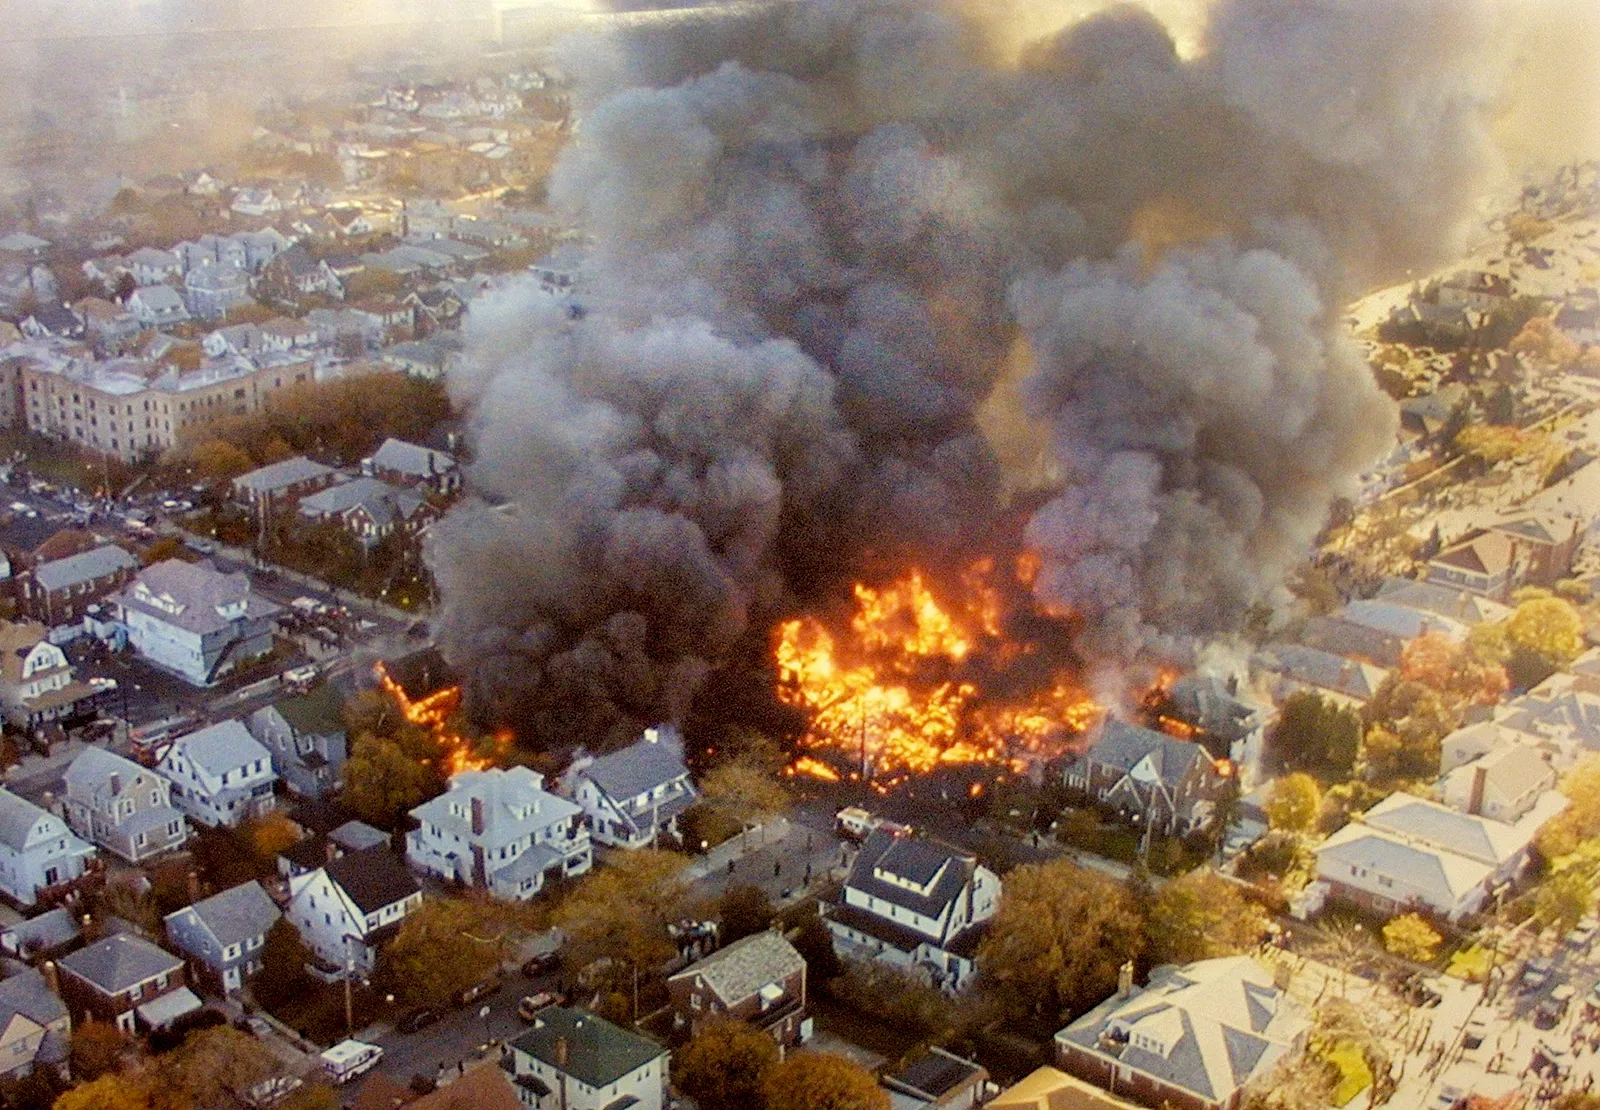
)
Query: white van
[{"x": 348, "y": 1059}]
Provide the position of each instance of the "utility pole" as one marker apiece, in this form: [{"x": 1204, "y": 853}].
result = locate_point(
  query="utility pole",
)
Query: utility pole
[{"x": 349, "y": 973}]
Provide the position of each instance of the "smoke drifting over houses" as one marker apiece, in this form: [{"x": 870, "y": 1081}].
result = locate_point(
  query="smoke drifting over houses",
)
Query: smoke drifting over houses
[{"x": 823, "y": 236}]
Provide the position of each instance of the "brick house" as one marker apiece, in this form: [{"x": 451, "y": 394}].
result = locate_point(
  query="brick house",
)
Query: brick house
[
  {"x": 760, "y": 980},
  {"x": 126, "y": 981},
  {"x": 1157, "y": 781}
]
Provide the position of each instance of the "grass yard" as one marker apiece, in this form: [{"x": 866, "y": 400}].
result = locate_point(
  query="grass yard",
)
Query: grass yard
[{"x": 1354, "y": 1075}]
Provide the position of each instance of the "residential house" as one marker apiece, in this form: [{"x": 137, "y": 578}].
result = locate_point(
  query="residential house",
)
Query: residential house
[
  {"x": 573, "y": 1060},
  {"x": 369, "y": 509},
  {"x": 40, "y": 858},
  {"x": 121, "y": 806},
  {"x": 36, "y": 681},
  {"x": 349, "y": 907},
  {"x": 47, "y": 937},
  {"x": 306, "y": 736},
  {"x": 126, "y": 981},
  {"x": 257, "y": 202},
  {"x": 214, "y": 289},
  {"x": 236, "y": 339},
  {"x": 1293, "y": 667},
  {"x": 1163, "y": 784},
  {"x": 288, "y": 480},
  {"x": 1543, "y": 545},
  {"x": 220, "y": 775},
  {"x": 1211, "y": 710},
  {"x": 223, "y": 936},
  {"x": 1049, "y": 1088},
  {"x": 157, "y": 306},
  {"x": 1503, "y": 785},
  {"x": 261, "y": 247},
  {"x": 1477, "y": 290},
  {"x": 1406, "y": 852},
  {"x": 35, "y": 1028},
  {"x": 52, "y": 321},
  {"x": 152, "y": 267},
  {"x": 58, "y": 593},
  {"x": 1462, "y": 606},
  {"x": 1191, "y": 1039},
  {"x": 759, "y": 980},
  {"x": 1375, "y": 631},
  {"x": 305, "y": 856},
  {"x": 634, "y": 795},
  {"x": 916, "y": 904},
  {"x": 936, "y": 1080},
  {"x": 426, "y": 359},
  {"x": 194, "y": 620},
  {"x": 389, "y": 318},
  {"x": 500, "y": 830},
  {"x": 106, "y": 324},
  {"x": 284, "y": 333},
  {"x": 408, "y": 464},
  {"x": 1485, "y": 565},
  {"x": 296, "y": 272}
]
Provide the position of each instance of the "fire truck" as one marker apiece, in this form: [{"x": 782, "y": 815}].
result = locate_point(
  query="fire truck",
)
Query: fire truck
[{"x": 855, "y": 823}]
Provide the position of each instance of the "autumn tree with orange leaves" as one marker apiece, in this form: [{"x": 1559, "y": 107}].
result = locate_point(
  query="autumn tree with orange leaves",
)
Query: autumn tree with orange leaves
[{"x": 1459, "y": 672}]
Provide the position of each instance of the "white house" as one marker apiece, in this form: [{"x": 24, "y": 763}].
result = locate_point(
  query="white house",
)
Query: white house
[
  {"x": 36, "y": 681},
  {"x": 38, "y": 853},
  {"x": 917, "y": 904},
  {"x": 156, "y": 306},
  {"x": 574, "y": 1060},
  {"x": 633, "y": 795},
  {"x": 195, "y": 620},
  {"x": 121, "y": 806},
  {"x": 347, "y": 908},
  {"x": 500, "y": 830},
  {"x": 214, "y": 289},
  {"x": 150, "y": 266},
  {"x": 1409, "y": 852},
  {"x": 220, "y": 775}
]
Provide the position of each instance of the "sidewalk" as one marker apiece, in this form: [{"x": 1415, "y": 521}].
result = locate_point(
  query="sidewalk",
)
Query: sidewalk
[{"x": 736, "y": 848}]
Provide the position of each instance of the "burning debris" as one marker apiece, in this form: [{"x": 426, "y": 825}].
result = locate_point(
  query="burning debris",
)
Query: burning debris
[
  {"x": 912, "y": 685},
  {"x": 434, "y": 713},
  {"x": 828, "y": 237}
]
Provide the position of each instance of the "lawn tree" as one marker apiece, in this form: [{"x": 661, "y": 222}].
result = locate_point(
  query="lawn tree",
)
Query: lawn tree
[
  {"x": 620, "y": 911},
  {"x": 1314, "y": 734},
  {"x": 214, "y": 1067},
  {"x": 1199, "y": 916},
  {"x": 383, "y": 782},
  {"x": 1580, "y": 821},
  {"x": 725, "y": 1065},
  {"x": 815, "y": 944},
  {"x": 1410, "y": 937},
  {"x": 444, "y": 945},
  {"x": 743, "y": 793},
  {"x": 269, "y": 836},
  {"x": 1564, "y": 897},
  {"x": 1294, "y": 804},
  {"x": 97, "y": 1047},
  {"x": 744, "y": 910},
  {"x": 1059, "y": 937},
  {"x": 109, "y": 1092},
  {"x": 283, "y": 966},
  {"x": 1542, "y": 634},
  {"x": 823, "y": 1081}
]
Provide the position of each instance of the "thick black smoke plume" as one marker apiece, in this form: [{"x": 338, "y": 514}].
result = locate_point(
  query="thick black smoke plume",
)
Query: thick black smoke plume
[{"x": 823, "y": 234}]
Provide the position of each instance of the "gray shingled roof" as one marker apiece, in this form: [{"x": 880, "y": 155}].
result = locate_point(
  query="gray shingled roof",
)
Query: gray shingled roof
[
  {"x": 27, "y": 993},
  {"x": 120, "y": 961},
  {"x": 917, "y": 860},
  {"x": 742, "y": 968},
  {"x": 225, "y": 746},
  {"x": 315, "y": 713},
  {"x": 1122, "y": 745},
  {"x": 381, "y": 500},
  {"x": 102, "y": 562},
  {"x": 636, "y": 769},
  {"x": 410, "y": 458},
  {"x": 598, "y": 1053},
  {"x": 92, "y": 769},
  {"x": 18, "y": 816},
  {"x": 198, "y": 590},
  {"x": 500, "y": 791},
  {"x": 281, "y": 475},
  {"x": 373, "y": 879},
  {"x": 235, "y": 915}
]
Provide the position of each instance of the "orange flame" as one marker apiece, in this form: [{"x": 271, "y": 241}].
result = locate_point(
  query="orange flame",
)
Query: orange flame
[
  {"x": 433, "y": 713},
  {"x": 888, "y": 697}
]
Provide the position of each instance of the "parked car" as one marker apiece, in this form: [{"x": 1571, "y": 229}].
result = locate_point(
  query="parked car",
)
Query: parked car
[
  {"x": 1550, "y": 1012},
  {"x": 1418, "y": 992},
  {"x": 531, "y": 1004},
  {"x": 420, "y": 1018},
  {"x": 1536, "y": 972},
  {"x": 466, "y": 996},
  {"x": 542, "y": 964},
  {"x": 1583, "y": 935},
  {"x": 1476, "y": 1032}
]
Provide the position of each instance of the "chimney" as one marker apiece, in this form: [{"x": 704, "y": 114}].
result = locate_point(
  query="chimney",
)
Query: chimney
[
  {"x": 116, "y": 782},
  {"x": 1475, "y": 796},
  {"x": 1282, "y": 976},
  {"x": 51, "y": 977},
  {"x": 562, "y": 1052},
  {"x": 1125, "y": 980},
  {"x": 477, "y": 817},
  {"x": 194, "y": 886}
]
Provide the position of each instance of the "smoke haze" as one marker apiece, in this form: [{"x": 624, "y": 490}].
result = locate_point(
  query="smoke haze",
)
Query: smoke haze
[{"x": 824, "y": 234}]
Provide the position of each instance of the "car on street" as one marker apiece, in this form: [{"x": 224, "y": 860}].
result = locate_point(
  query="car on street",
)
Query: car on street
[
  {"x": 531, "y": 1004},
  {"x": 542, "y": 964},
  {"x": 1476, "y": 1032},
  {"x": 466, "y": 996},
  {"x": 1549, "y": 1012},
  {"x": 1536, "y": 972},
  {"x": 1417, "y": 991},
  {"x": 420, "y": 1018},
  {"x": 1583, "y": 935}
]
